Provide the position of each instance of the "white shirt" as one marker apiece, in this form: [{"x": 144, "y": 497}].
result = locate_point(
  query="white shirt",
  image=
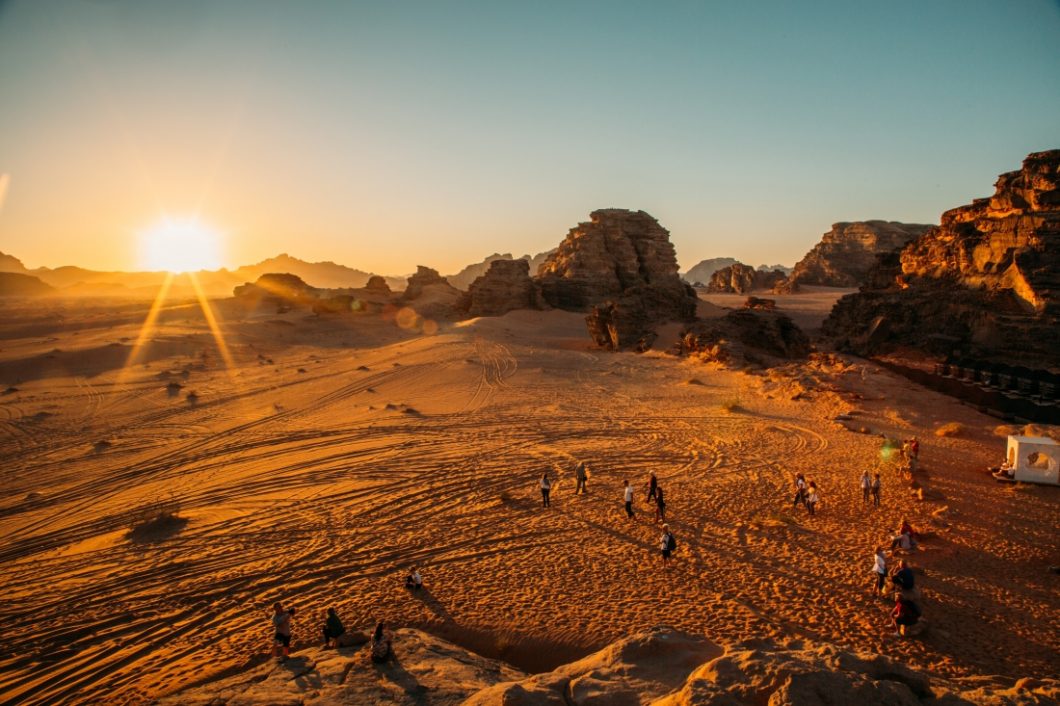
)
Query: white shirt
[
  {"x": 813, "y": 497},
  {"x": 800, "y": 484},
  {"x": 545, "y": 485},
  {"x": 629, "y": 493},
  {"x": 880, "y": 566},
  {"x": 865, "y": 482}
]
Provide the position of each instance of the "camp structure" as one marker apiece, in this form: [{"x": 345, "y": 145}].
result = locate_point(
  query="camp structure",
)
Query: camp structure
[{"x": 1034, "y": 459}]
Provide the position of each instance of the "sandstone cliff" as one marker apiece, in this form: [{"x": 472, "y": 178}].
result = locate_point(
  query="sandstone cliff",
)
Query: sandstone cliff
[
  {"x": 846, "y": 253},
  {"x": 430, "y": 294},
  {"x": 985, "y": 282},
  {"x": 505, "y": 286},
  {"x": 621, "y": 262},
  {"x": 740, "y": 279}
]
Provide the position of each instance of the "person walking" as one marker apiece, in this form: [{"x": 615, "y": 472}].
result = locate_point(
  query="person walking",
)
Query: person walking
[
  {"x": 281, "y": 623},
  {"x": 667, "y": 544},
  {"x": 546, "y": 488},
  {"x": 581, "y": 474},
  {"x": 866, "y": 488},
  {"x": 660, "y": 505},
  {"x": 812, "y": 498},
  {"x": 879, "y": 569},
  {"x": 876, "y": 491},
  {"x": 653, "y": 484},
  {"x": 628, "y": 495}
]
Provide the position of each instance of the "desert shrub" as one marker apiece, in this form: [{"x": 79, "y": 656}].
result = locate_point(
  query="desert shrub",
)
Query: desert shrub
[
  {"x": 950, "y": 429},
  {"x": 731, "y": 404},
  {"x": 155, "y": 521}
]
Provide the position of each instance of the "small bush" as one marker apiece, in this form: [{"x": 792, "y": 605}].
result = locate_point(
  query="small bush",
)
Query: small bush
[
  {"x": 156, "y": 521},
  {"x": 950, "y": 429},
  {"x": 731, "y": 405}
]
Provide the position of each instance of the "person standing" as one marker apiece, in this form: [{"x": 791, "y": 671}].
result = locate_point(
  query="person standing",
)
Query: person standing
[
  {"x": 866, "y": 488},
  {"x": 660, "y": 505},
  {"x": 653, "y": 484},
  {"x": 812, "y": 498},
  {"x": 628, "y": 495},
  {"x": 879, "y": 568},
  {"x": 281, "y": 623},
  {"x": 876, "y": 491},
  {"x": 667, "y": 544},
  {"x": 546, "y": 488},
  {"x": 580, "y": 475},
  {"x": 800, "y": 491}
]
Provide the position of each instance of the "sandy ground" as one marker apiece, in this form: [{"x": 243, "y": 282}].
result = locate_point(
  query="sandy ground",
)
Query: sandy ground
[{"x": 331, "y": 454}]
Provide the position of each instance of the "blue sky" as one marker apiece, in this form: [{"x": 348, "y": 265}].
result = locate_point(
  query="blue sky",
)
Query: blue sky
[{"x": 388, "y": 135}]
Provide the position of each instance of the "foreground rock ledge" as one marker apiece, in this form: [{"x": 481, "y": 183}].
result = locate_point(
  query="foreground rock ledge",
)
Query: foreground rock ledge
[{"x": 660, "y": 666}]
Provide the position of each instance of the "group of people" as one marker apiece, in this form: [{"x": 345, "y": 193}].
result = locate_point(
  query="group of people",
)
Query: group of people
[
  {"x": 870, "y": 489},
  {"x": 907, "y": 607},
  {"x": 380, "y": 644},
  {"x": 806, "y": 494},
  {"x": 655, "y": 497}
]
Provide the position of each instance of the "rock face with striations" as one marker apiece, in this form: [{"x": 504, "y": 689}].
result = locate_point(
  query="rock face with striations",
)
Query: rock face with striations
[
  {"x": 622, "y": 266},
  {"x": 741, "y": 278},
  {"x": 505, "y": 286},
  {"x": 846, "y": 253},
  {"x": 985, "y": 282}
]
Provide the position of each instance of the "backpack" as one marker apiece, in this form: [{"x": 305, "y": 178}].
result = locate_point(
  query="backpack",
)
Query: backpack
[{"x": 671, "y": 543}]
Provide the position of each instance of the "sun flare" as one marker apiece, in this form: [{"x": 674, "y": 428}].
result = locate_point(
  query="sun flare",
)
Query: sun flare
[{"x": 180, "y": 246}]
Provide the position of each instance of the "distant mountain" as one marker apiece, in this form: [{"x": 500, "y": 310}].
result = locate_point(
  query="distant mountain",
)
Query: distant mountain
[
  {"x": 322, "y": 275},
  {"x": 462, "y": 280},
  {"x": 705, "y": 269},
  {"x": 16, "y": 284},
  {"x": 10, "y": 263}
]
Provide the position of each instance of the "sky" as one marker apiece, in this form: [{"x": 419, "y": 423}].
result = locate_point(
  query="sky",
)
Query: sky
[{"x": 387, "y": 135}]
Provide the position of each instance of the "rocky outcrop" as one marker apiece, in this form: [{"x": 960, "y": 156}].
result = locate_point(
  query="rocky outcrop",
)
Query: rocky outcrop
[
  {"x": 701, "y": 272},
  {"x": 505, "y": 286},
  {"x": 464, "y": 278},
  {"x": 740, "y": 279},
  {"x": 621, "y": 259},
  {"x": 660, "y": 666},
  {"x": 13, "y": 284},
  {"x": 757, "y": 337},
  {"x": 846, "y": 253},
  {"x": 431, "y": 295},
  {"x": 984, "y": 283},
  {"x": 783, "y": 268},
  {"x": 10, "y": 263},
  {"x": 377, "y": 284},
  {"x": 280, "y": 289}
]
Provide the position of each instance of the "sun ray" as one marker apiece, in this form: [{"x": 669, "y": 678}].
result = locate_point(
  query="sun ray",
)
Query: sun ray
[
  {"x": 148, "y": 325},
  {"x": 211, "y": 322}
]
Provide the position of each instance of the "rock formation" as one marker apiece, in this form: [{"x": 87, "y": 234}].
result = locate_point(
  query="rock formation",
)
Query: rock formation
[
  {"x": 660, "y": 666},
  {"x": 430, "y": 294},
  {"x": 464, "y": 278},
  {"x": 984, "y": 283},
  {"x": 783, "y": 268},
  {"x": 846, "y": 253},
  {"x": 740, "y": 279},
  {"x": 10, "y": 263},
  {"x": 624, "y": 260},
  {"x": 280, "y": 289},
  {"x": 701, "y": 273},
  {"x": 377, "y": 284},
  {"x": 752, "y": 336},
  {"x": 505, "y": 286}
]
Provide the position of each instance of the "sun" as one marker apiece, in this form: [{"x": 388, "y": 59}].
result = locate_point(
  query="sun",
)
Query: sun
[{"x": 180, "y": 246}]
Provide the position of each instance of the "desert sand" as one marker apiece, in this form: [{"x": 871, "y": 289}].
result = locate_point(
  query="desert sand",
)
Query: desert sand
[{"x": 315, "y": 459}]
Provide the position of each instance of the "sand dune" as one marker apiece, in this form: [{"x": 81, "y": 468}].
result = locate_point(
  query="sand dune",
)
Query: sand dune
[{"x": 338, "y": 452}]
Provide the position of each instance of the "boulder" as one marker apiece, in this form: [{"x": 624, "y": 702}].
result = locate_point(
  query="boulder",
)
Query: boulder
[
  {"x": 377, "y": 284},
  {"x": 848, "y": 252},
  {"x": 430, "y": 294},
  {"x": 754, "y": 337},
  {"x": 984, "y": 283}
]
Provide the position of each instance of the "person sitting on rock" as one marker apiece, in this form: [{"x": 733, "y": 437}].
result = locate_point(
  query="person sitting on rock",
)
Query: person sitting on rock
[
  {"x": 905, "y": 614},
  {"x": 333, "y": 628},
  {"x": 414, "y": 581},
  {"x": 381, "y": 648}
]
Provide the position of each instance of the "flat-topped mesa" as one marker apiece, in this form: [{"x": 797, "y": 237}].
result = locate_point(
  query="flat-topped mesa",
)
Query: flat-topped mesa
[
  {"x": 848, "y": 252},
  {"x": 985, "y": 282},
  {"x": 623, "y": 259},
  {"x": 505, "y": 286},
  {"x": 740, "y": 279}
]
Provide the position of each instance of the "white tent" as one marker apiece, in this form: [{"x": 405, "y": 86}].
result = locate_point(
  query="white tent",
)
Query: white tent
[{"x": 1034, "y": 459}]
